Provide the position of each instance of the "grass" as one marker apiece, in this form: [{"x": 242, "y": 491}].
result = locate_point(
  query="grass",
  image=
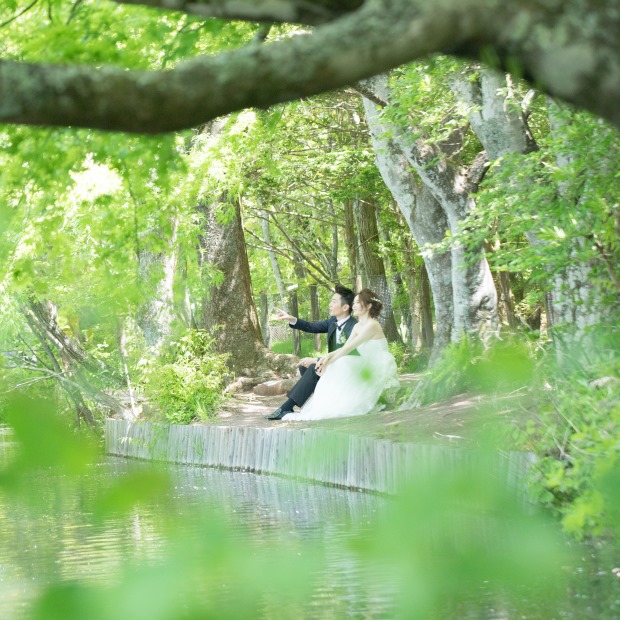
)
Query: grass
[{"x": 286, "y": 346}]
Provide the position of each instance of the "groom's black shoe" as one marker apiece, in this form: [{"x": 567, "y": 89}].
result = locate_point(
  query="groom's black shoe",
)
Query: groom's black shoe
[{"x": 278, "y": 414}]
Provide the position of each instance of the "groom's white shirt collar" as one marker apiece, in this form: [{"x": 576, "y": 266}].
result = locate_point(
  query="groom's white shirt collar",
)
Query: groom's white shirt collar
[{"x": 341, "y": 323}]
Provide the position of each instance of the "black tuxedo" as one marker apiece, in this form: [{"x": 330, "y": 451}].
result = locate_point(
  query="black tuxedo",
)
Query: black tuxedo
[{"x": 304, "y": 388}]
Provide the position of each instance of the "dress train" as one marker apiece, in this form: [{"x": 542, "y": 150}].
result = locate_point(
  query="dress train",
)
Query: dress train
[{"x": 352, "y": 385}]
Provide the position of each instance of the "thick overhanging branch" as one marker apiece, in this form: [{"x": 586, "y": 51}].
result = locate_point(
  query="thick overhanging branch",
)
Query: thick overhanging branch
[
  {"x": 308, "y": 12},
  {"x": 555, "y": 47}
]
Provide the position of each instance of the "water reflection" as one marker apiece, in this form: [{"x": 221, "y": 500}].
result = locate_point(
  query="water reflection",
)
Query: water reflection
[
  {"x": 49, "y": 534},
  {"x": 60, "y": 541}
]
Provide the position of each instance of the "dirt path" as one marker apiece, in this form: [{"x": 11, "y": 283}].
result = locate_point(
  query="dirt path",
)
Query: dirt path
[{"x": 456, "y": 420}]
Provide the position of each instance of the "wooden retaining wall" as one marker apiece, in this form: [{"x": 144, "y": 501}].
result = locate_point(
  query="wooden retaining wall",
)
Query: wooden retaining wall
[{"x": 349, "y": 461}]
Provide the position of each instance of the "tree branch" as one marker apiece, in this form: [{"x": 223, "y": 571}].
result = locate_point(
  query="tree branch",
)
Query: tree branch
[
  {"x": 364, "y": 88},
  {"x": 309, "y": 12},
  {"x": 271, "y": 248},
  {"x": 570, "y": 50},
  {"x": 97, "y": 395},
  {"x": 295, "y": 246},
  {"x": 18, "y": 15}
]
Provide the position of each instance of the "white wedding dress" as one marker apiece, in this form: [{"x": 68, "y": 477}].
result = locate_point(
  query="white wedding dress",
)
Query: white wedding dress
[{"x": 351, "y": 385}]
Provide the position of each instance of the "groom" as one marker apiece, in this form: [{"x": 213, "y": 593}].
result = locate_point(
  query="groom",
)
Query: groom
[{"x": 338, "y": 328}]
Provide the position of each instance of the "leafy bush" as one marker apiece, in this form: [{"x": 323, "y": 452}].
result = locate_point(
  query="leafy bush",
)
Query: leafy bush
[
  {"x": 399, "y": 352},
  {"x": 407, "y": 360},
  {"x": 187, "y": 381},
  {"x": 569, "y": 419},
  {"x": 576, "y": 435},
  {"x": 466, "y": 366}
]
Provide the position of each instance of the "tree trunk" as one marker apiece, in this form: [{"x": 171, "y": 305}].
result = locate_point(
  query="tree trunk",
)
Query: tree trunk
[
  {"x": 474, "y": 293},
  {"x": 415, "y": 310},
  {"x": 228, "y": 309},
  {"x": 121, "y": 341},
  {"x": 277, "y": 273},
  {"x": 499, "y": 121},
  {"x": 373, "y": 265},
  {"x": 333, "y": 262},
  {"x": 575, "y": 302},
  {"x": 351, "y": 243},
  {"x": 74, "y": 363},
  {"x": 506, "y": 299},
  {"x": 402, "y": 315},
  {"x": 264, "y": 318},
  {"x": 425, "y": 218},
  {"x": 425, "y": 308},
  {"x": 294, "y": 306},
  {"x": 315, "y": 310},
  {"x": 494, "y": 113},
  {"x": 473, "y": 290},
  {"x": 187, "y": 307},
  {"x": 157, "y": 271}
]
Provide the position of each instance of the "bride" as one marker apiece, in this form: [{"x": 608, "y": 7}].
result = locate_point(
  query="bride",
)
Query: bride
[{"x": 351, "y": 385}]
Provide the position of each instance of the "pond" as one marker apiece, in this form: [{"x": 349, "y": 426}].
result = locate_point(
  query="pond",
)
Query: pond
[{"x": 53, "y": 538}]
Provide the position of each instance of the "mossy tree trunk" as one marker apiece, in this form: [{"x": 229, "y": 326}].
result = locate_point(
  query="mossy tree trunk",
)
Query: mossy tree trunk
[{"x": 228, "y": 308}]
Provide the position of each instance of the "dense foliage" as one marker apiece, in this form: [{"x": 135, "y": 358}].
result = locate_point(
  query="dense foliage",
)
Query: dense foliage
[{"x": 186, "y": 382}]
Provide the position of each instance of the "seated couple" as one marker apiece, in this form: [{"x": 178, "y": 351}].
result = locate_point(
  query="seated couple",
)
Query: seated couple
[{"x": 343, "y": 385}]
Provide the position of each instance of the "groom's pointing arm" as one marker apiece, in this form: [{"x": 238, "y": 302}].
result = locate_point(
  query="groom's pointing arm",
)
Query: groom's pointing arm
[{"x": 315, "y": 327}]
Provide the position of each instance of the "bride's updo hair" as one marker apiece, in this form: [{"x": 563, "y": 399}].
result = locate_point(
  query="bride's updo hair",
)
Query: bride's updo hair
[{"x": 371, "y": 301}]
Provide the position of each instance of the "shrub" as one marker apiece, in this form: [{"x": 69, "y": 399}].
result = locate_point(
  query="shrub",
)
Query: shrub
[
  {"x": 407, "y": 360},
  {"x": 576, "y": 436},
  {"x": 186, "y": 381},
  {"x": 466, "y": 366}
]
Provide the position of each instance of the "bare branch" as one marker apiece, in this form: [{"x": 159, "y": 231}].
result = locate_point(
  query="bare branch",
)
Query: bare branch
[
  {"x": 33, "y": 352},
  {"x": 74, "y": 9},
  {"x": 272, "y": 248},
  {"x": 300, "y": 251},
  {"x": 18, "y": 15}
]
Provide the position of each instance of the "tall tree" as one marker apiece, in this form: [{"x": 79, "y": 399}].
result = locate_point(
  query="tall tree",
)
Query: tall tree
[
  {"x": 498, "y": 118},
  {"x": 64, "y": 360},
  {"x": 228, "y": 307},
  {"x": 424, "y": 216},
  {"x": 277, "y": 273},
  {"x": 474, "y": 298},
  {"x": 157, "y": 275},
  {"x": 374, "y": 275}
]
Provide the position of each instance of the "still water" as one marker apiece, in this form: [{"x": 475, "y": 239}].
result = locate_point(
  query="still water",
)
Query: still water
[
  {"x": 48, "y": 535},
  {"x": 54, "y": 538}
]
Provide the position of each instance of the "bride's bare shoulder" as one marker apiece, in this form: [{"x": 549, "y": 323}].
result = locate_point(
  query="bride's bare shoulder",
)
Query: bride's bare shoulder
[{"x": 377, "y": 329}]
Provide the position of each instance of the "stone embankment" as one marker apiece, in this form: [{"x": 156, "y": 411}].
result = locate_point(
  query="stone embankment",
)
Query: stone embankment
[
  {"x": 376, "y": 452},
  {"x": 319, "y": 454}
]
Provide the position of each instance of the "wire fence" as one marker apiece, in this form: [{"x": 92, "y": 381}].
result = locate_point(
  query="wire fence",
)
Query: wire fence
[{"x": 279, "y": 333}]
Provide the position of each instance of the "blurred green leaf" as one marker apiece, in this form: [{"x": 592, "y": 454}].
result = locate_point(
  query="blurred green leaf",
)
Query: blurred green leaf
[
  {"x": 457, "y": 530},
  {"x": 44, "y": 440}
]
